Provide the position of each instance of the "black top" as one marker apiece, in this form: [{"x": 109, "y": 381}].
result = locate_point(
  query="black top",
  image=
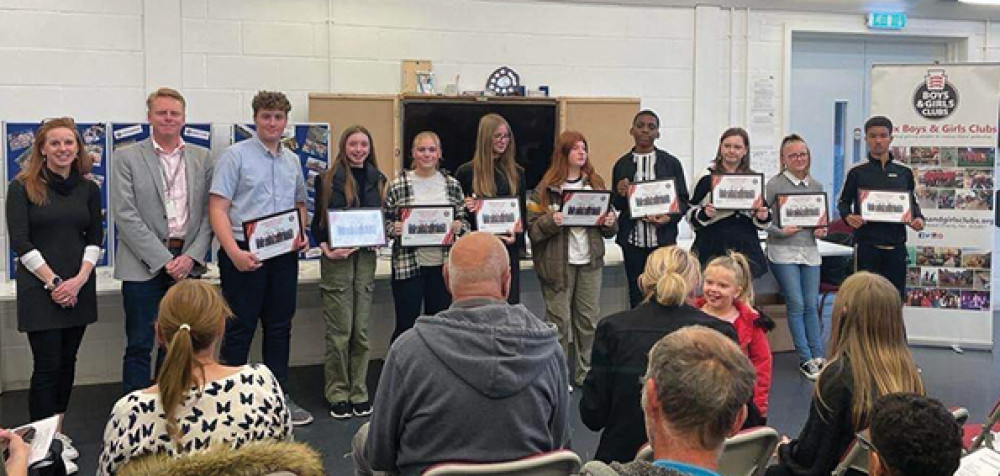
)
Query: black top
[
  {"x": 465, "y": 175},
  {"x": 368, "y": 194},
  {"x": 666, "y": 166},
  {"x": 736, "y": 232},
  {"x": 827, "y": 432},
  {"x": 59, "y": 230},
  {"x": 871, "y": 175},
  {"x": 611, "y": 392}
]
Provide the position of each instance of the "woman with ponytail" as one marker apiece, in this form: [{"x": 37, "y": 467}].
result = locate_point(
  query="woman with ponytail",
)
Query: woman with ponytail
[
  {"x": 196, "y": 402},
  {"x": 611, "y": 391}
]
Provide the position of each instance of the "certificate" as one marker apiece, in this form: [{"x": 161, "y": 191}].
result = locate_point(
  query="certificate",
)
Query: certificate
[
  {"x": 355, "y": 227},
  {"x": 892, "y": 206},
  {"x": 498, "y": 215},
  {"x": 584, "y": 207},
  {"x": 804, "y": 210},
  {"x": 656, "y": 197},
  {"x": 737, "y": 191},
  {"x": 427, "y": 225},
  {"x": 273, "y": 235}
]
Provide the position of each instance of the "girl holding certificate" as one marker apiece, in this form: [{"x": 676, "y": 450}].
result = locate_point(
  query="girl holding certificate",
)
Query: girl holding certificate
[
  {"x": 347, "y": 275},
  {"x": 719, "y": 231},
  {"x": 493, "y": 172},
  {"x": 795, "y": 258},
  {"x": 569, "y": 260},
  {"x": 417, "y": 278}
]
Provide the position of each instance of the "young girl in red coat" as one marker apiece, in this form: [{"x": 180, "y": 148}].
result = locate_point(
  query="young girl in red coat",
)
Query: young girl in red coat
[{"x": 727, "y": 294}]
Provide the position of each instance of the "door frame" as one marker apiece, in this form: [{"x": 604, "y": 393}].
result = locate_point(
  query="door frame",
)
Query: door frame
[{"x": 958, "y": 45}]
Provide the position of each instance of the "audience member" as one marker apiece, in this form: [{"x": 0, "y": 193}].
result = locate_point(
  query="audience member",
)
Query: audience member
[
  {"x": 728, "y": 296},
  {"x": 868, "y": 359},
  {"x": 197, "y": 402},
  {"x": 481, "y": 381},
  {"x": 611, "y": 391},
  {"x": 694, "y": 396},
  {"x": 912, "y": 435}
]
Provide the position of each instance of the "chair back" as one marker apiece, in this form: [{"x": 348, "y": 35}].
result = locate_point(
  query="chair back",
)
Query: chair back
[
  {"x": 855, "y": 459},
  {"x": 554, "y": 463},
  {"x": 747, "y": 452}
]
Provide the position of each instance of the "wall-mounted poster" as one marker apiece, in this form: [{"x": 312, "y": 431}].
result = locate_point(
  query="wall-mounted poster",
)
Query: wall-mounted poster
[
  {"x": 19, "y": 136},
  {"x": 311, "y": 142}
]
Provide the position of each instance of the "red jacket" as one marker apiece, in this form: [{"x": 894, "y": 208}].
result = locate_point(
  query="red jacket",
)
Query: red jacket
[{"x": 753, "y": 343}]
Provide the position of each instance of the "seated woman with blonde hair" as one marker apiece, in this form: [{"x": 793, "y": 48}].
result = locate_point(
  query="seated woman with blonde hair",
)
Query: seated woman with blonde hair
[
  {"x": 611, "y": 391},
  {"x": 197, "y": 402}
]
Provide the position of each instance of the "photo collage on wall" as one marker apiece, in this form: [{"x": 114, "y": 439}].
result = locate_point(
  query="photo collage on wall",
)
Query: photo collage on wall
[{"x": 950, "y": 178}]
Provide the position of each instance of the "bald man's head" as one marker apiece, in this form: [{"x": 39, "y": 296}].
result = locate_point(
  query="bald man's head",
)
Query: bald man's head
[{"x": 478, "y": 266}]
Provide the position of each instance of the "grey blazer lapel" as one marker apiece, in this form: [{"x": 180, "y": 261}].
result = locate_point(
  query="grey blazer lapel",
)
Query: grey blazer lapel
[{"x": 155, "y": 168}]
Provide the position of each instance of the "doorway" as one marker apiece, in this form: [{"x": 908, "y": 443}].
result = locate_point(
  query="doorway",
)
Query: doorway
[{"x": 830, "y": 89}]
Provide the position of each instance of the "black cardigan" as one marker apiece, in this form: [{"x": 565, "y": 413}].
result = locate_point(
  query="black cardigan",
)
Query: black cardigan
[{"x": 611, "y": 392}]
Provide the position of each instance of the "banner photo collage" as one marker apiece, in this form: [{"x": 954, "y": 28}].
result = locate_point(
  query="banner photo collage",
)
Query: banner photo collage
[
  {"x": 311, "y": 142},
  {"x": 18, "y": 140},
  {"x": 945, "y": 121}
]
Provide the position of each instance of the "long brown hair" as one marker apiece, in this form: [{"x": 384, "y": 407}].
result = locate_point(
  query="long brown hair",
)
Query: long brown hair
[
  {"x": 191, "y": 318},
  {"x": 31, "y": 176},
  {"x": 559, "y": 167},
  {"x": 341, "y": 161},
  {"x": 482, "y": 161},
  {"x": 744, "y": 166},
  {"x": 868, "y": 330}
]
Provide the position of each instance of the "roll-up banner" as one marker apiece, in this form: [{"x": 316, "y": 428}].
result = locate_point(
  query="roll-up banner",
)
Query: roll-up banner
[
  {"x": 18, "y": 140},
  {"x": 309, "y": 141},
  {"x": 945, "y": 119}
]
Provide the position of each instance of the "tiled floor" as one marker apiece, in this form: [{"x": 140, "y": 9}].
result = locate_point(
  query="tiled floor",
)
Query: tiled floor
[{"x": 968, "y": 380}]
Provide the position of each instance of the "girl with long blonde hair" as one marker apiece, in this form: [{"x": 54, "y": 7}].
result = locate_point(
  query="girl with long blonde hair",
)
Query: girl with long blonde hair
[
  {"x": 493, "y": 172},
  {"x": 868, "y": 358},
  {"x": 196, "y": 402}
]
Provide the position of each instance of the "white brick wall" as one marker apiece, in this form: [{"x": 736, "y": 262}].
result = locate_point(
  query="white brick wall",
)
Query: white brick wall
[{"x": 96, "y": 59}]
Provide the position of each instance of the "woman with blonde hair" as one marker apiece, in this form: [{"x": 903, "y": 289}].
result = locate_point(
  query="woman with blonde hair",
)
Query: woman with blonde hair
[
  {"x": 611, "y": 392},
  {"x": 196, "y": 402},
  {"x": 569, "y": 261},
  {"x": 493, "y": 172},
  {"x": 347, "y": 275},
  {"x": 417, "y": 272},
  {"x": 868, "y": 358},
  {"x": 54, "y": 221}
]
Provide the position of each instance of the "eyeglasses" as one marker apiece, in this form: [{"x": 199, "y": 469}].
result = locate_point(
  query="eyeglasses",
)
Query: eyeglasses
[
  {"x": 501, "y": 136},
  {"x": 799, "y": 155}
]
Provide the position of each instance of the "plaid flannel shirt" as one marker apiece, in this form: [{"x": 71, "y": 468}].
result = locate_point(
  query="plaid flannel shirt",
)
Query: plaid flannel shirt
[{"x": 400, "y": 194}]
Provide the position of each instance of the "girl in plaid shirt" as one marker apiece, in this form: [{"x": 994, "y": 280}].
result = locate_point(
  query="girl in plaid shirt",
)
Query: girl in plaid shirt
[{"x": 417, "y": 278}]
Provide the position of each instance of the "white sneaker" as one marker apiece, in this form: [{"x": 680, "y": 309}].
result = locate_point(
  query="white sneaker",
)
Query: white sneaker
[
  {"x": 69, "y": 451},
  {"x": 71, "y": 467},
  {"x": 809, "y": 369}
]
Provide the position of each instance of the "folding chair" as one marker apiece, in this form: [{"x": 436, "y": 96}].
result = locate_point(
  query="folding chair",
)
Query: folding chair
[
  {"x": 747, "y": 452},
  {"x": 555, "y": 463}
]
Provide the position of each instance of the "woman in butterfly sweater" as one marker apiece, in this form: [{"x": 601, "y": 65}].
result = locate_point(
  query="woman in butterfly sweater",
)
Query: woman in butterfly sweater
[{"x": 197, "y": 402}]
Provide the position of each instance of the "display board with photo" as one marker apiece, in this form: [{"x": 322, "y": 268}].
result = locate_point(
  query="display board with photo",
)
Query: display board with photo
[{"x": 948, "y": 277}]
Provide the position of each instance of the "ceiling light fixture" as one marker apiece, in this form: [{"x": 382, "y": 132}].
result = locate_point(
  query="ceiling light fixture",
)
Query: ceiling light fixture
[{"x": 981, "y": 2}]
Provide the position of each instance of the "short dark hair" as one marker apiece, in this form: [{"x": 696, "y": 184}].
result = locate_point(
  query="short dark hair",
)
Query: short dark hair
[
  {"x": 646, "y": 112},
  {"x": 915, "y": 435},
  {"x": 878, "y": 121},
  {"x": 270, "y": 100}
]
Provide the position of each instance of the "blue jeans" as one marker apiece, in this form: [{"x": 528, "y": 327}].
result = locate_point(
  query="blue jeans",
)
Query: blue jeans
[
  {"x": 800, "y": 285},
  {"x": 141, "y": 300},
  {"x": 266, "y": 294}
]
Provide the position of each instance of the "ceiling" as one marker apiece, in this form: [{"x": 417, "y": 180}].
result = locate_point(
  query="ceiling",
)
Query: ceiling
[{"x": 943, "y": 9}]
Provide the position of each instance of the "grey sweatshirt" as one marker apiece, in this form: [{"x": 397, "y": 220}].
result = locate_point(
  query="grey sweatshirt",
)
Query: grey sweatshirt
[
  {"x": 481, "y": 381},
  {"x": 797, "y": 248}
]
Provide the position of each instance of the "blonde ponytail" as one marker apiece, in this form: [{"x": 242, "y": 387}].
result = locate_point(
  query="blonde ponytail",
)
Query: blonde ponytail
[
  {"x": 672, "y": 289},
  {"x": 737, "y": 263}
]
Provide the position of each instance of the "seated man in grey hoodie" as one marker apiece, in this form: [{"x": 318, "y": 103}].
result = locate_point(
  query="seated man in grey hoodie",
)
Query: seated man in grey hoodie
[
  {"x": 696, "y": 387},
  {"x": 482, "y": 381}
]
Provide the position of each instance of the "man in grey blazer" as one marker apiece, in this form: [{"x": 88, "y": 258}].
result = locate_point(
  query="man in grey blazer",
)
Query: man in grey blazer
[{"x": 159, "y": 200}]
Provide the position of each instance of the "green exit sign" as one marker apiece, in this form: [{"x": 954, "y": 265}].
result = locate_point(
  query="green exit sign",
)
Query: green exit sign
[{"x": 886, "y": 20}]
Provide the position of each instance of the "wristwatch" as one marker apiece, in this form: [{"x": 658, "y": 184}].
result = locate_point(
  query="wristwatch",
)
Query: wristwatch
[{"x": 56, "y": 281}]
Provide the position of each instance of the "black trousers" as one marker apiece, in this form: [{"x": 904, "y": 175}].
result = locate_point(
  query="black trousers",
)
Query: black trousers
[
  {"x": 54, "y": 352},
  {"x": 635, "y": 263},
  {"x": 424, "y": 290},
  {"x": 514, "y": 254},
  {"x": 887, "y": 262}
]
